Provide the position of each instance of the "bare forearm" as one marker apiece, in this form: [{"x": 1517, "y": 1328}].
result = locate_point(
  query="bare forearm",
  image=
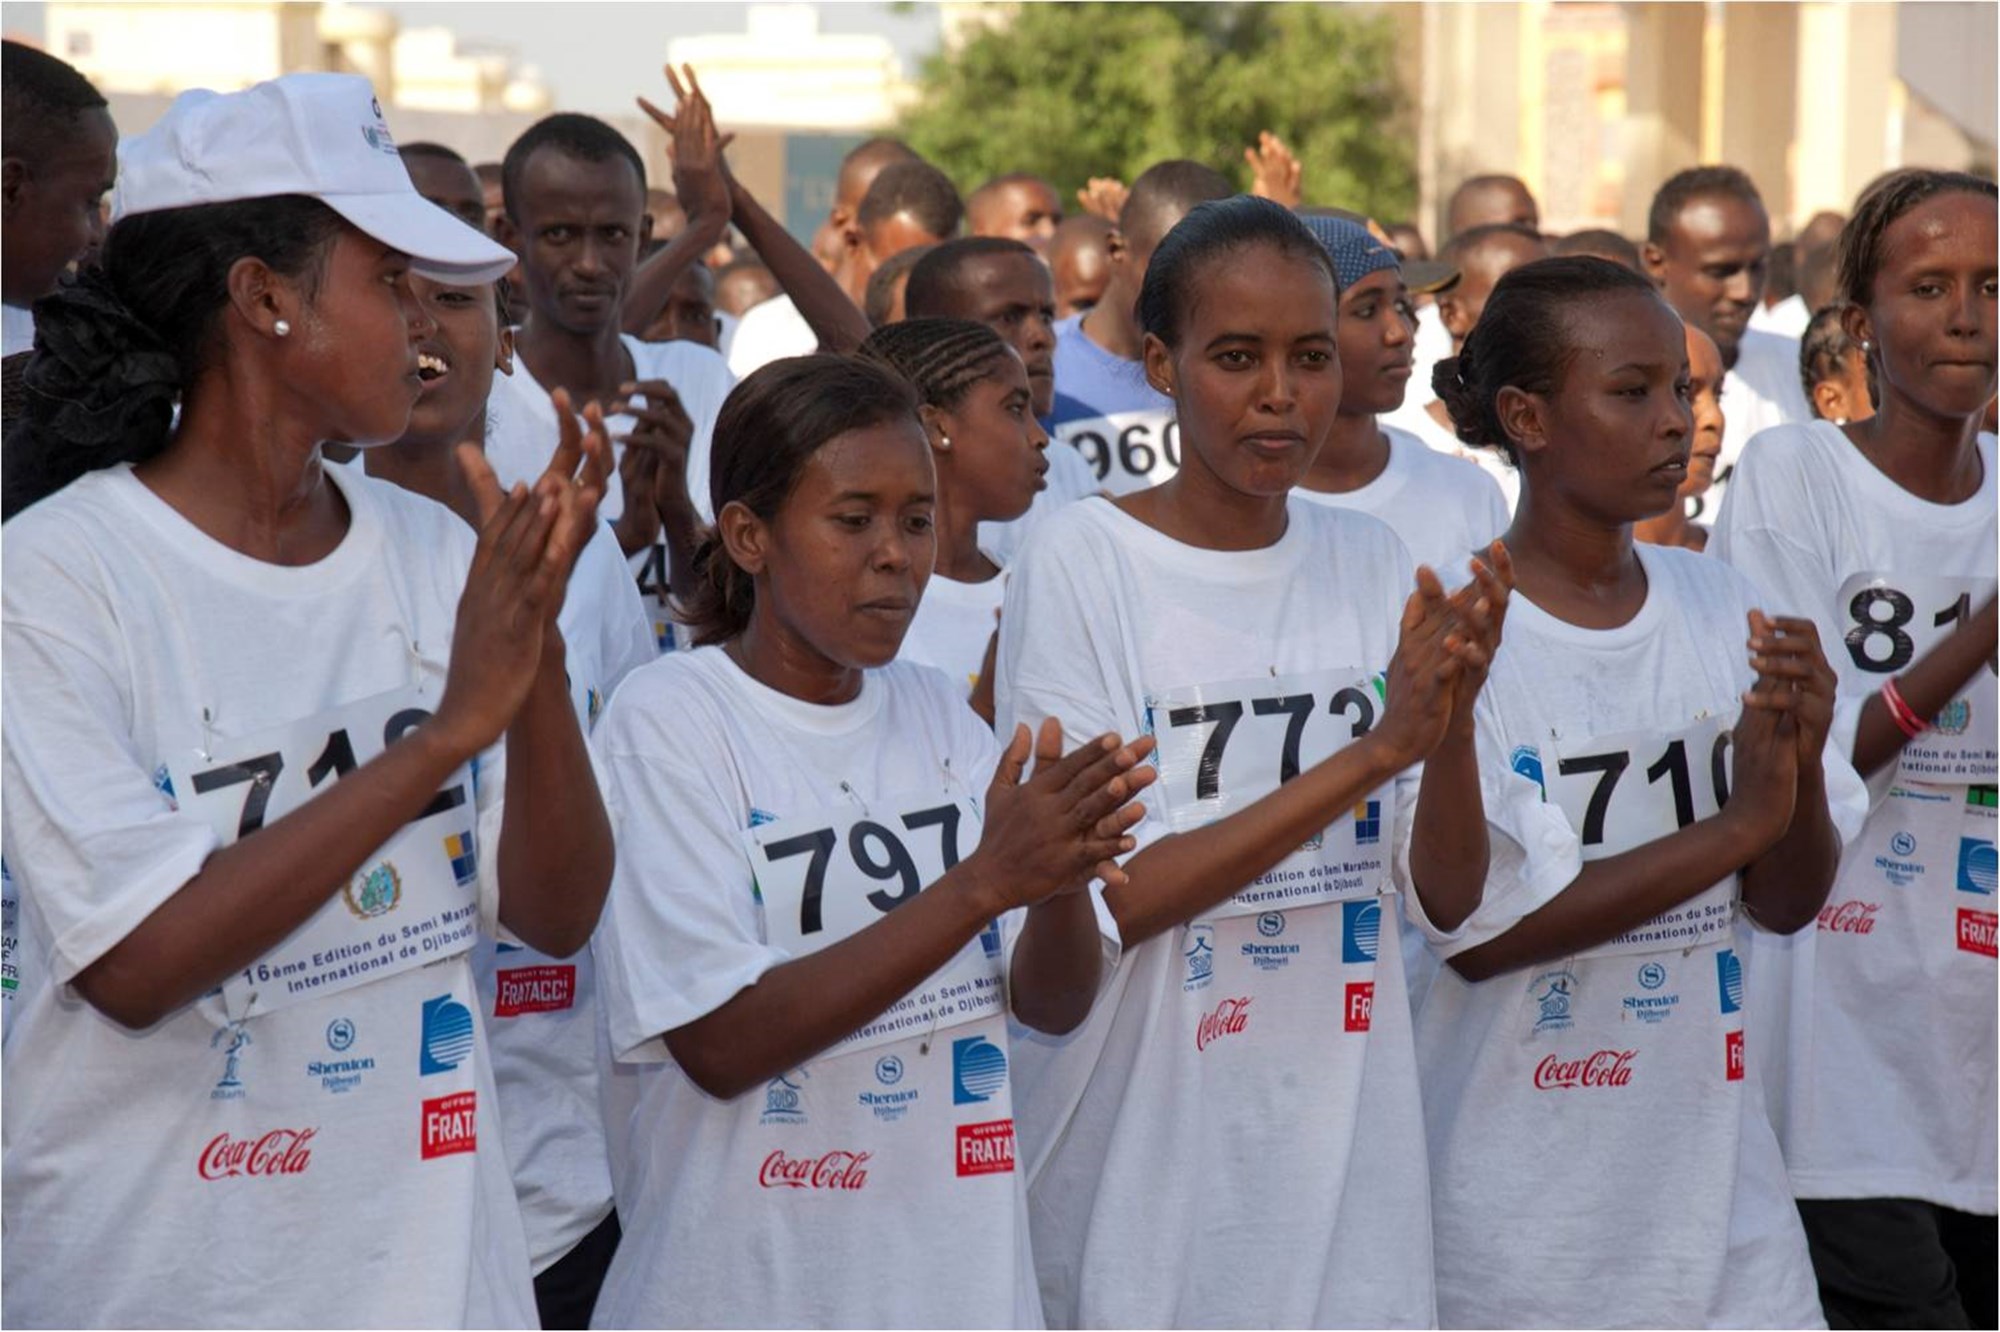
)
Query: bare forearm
[
  {"x": 653, "y": 281},
  {"x": 555, "y": 838},
  {"x": 1784, "y": 888},
  {"x": 1616, "y": 894},
  {"x": 253, "y": 893},
  {"x": 796, "y": 1010},
  {"x": 1179, "y": 877},
  {"x": 833, "y": 318},
  {"x": 681, "y": 527},
  {"x": 1927, "y": 686},
  {"x": 1448, "y": 846},
  {"x": 1057, "y": 964}
]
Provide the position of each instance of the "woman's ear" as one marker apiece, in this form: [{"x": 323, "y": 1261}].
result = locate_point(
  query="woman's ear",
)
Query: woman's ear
[
  {"x": 503, "y": 352},
  {"x": 1522, "y": 416},
  {"x": 937, "y": 427},
  {"x": 744, "y": 535},
  {"x": 267, "y": 303},
  {"x": 1158, "y": 360}
]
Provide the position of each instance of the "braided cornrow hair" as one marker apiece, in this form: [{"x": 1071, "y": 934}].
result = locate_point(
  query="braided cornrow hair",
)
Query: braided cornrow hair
[{"x": 942, "y": 358}]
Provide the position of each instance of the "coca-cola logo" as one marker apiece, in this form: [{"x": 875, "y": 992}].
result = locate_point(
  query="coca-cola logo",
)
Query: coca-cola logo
[
  {"x": 1848, "y": 917},
  {"x": 1600, "y": 1068},
  {"x": 280, "y": 1152},
  {"x": 1228, "y": 1019},
  {"x": 833, "y": 1170}
]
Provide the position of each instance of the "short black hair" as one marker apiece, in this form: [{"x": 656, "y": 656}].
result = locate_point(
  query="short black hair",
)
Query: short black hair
[
  {"x": 1602, "y": 242},
  {"x": 425, "y": 148},
  {"x": 918, "y": 189},
  {"x": 40, "y": 98},
  {"x": 1163, "y": 194},
  {"x": 999, "y": 183},
  {"x": 580, "y": 136},
  {"x": 1214, "y": 232},
  {"x": 1888, "y": 198},
  {"x": 877, "y": 301},
  {"x": 935, "y": 280},
  {"x": 1474, "y": 238},
  {"x": 1684, "y": 187}
]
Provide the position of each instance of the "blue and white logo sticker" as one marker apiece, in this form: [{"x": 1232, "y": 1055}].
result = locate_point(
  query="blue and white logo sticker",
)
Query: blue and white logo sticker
[
  {"x": 978, "y": 1070},
  {"x": 1360, "y": 930},
  {"x": 1729, "y": 980},
  {"x": 1977, "y": 866},
  {"x": 447, "y": 1035}
]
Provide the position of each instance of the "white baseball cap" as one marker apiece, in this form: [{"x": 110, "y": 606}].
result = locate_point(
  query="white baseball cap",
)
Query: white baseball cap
[{"x": 320, "y": 135}]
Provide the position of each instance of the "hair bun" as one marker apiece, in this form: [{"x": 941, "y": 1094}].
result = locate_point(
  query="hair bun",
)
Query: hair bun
[{"x": 102, "y": 372}]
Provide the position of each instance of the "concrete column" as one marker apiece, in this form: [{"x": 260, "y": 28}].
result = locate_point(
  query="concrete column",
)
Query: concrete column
[
  {"x": 1663, "y": 99},
  {"x": 1761, "y": 68}
]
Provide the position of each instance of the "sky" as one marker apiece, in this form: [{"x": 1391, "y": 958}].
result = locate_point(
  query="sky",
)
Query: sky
[{"x": 624, "y": 42}]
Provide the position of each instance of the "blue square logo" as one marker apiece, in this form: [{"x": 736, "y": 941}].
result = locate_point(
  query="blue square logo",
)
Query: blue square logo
[
  {"x": 978, "y": 1070},
  {"x": 1729, "y": 980},
  {"x": 1360, "y": 930},
  {"x": 1976, "y": 866}
]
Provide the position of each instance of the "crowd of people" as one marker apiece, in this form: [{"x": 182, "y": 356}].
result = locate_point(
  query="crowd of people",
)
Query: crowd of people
[{"x": 1183, "y": 761}]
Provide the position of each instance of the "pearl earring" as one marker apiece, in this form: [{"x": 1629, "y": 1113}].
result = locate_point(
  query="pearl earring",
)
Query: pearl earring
[
  {"x": 944, "y": 440},
  {"x": 282, "y": 328}
]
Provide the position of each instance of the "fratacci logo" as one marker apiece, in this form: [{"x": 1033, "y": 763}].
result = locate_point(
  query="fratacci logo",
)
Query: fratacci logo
[
  {"x": 374, "y": 893},
  {"x": 1199, "y": 953},
  {"x": 1553, "y": 992},
  {"x": 978, "y": 1070},
  {"x": 447, "y": 1035},
  {"x": 1729, "y": 980}
]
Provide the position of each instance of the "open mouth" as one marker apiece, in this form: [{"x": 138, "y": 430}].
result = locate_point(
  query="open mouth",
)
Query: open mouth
[{"x": 431, "y": 368}]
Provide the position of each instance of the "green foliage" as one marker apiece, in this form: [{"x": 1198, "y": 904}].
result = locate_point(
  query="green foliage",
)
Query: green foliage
[{"x": 1075, "y": 90}]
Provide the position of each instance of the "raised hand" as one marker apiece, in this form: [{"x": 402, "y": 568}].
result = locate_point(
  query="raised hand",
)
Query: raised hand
[
  {"x": 1764, "y": 763},
  {"x": 1104, "y": 196},
  {"x": 1423, "y": 674},
  {"x": 1274, "y": 172},
  {"x": 1785, "y": 651},
  {"x": 1068, "y": 822},
  {"x": 1480, "y": 608},
  {"x": 701, "y": 174}
]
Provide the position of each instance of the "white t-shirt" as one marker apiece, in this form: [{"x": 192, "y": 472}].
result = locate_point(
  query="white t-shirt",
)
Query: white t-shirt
[
  {"x": 1443, "y": 508},
  {"x": 1069, "y": 479},
  {"x": 1418, "y": 423},
  {"x": 1886, "y": 1016},
  {"x": 541, "y": 1011},
  {"x": 1431, "y": 344},
  {"x": 770, "y": 331},
  {"x": 1760, "y": 391},
  {"x": 1619, "y": 1073},
  {"x": 871, "y": 1187},
  {"x": 521, "y": 437},
  {"x": 1789, "y": 318},
  {"x": 954, "y": 624},
  {"x": 1230, "y": 1138},
  {"x": 346, "y": 1138},
  {"x": 17, "y": 329},
  {"x": 1122, "y": 426}
]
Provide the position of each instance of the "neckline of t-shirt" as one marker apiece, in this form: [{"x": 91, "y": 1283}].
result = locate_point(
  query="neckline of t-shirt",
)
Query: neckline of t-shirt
[
  {"x": 1386, "y": 484},
  {"x": 1211, "y": 566},
  {"x": 357, "y": 550},
  {"x": 1974, "y": 510},
  {"x": 1534, "y": 619},
  {"x": 783, "y": 710},
  {"x": 960, "y": 593}
]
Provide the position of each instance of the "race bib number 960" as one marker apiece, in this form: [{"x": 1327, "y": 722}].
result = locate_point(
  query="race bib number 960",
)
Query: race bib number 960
[
  {"x": 1622, "y": 791},
  {"x": 1127, "y": 450},
  {"x": 1892, "y": 621},
  {"x": 827, "y": 876},
  {"x": 1223, "y": 747}
]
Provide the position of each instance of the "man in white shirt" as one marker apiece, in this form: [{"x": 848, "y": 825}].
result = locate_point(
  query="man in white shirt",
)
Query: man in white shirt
[
  {"x": 1708, "y": 246},
  {"x": 60, "y": 151},
  {"x": 910, "y": 204}
]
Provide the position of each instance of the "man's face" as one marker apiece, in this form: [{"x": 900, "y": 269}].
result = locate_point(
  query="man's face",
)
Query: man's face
[
  {"x": 1022, "y": 210},
  {"x": 578, "y": 226},
  {"x": 689, "y": 314},
  {"x": 450, "y": 185},
  {"x": 51, "y": 208},
  {"x": 1013, "y": 295},
  {"x": 1711, "y": 266}
]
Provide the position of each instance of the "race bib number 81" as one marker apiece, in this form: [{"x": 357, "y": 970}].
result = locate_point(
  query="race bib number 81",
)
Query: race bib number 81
[
  {"x": 1892, "y": 621},
  {"x": 1223, "y": 747},
  {"x": 827, "y": 876}
]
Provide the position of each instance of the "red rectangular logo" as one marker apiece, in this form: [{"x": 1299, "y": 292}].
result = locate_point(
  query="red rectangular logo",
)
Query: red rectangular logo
[
  {"x": 549, "y": 989},
  {"x": 449, "y": 1126},
  {"x": 1360, "y": 1004},
  {"x": 1733, "y": 1055},
  {"x": 986, "y": 1149},
  {"x": 1977, "y": 931}
]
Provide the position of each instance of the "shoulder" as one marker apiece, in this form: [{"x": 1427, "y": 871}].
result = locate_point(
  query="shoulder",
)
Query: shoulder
[
  {"x": 1797, "y": 457},
  {"x": 410, "y": 522},
  {"x": 1348, "y": 534},
  {"x": 64, "y": 544},
  {"x": 669, "y": 706}
]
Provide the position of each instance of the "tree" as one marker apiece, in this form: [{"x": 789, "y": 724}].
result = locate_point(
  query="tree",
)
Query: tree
[{"x": 1070, "y": 91}]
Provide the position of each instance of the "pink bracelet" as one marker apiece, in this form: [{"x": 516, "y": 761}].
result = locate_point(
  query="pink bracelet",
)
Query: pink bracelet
[{"x": 1906, "y": 719}]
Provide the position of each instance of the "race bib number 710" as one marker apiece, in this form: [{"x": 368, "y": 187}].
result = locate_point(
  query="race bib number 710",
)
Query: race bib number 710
[{"x": 826, "y": 876}]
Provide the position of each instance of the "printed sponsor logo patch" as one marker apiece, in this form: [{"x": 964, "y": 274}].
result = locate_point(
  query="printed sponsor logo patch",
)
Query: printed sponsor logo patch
[
  {"x": 543, "y": 989},
  {"x": 1360, "y": 1006},
  {"x": 1976, "y": 931},
  {"x": 986, "y": 1149},
  {"x": 450, "y": 1124}
]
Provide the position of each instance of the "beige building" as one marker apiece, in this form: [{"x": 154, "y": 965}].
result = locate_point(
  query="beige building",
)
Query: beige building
[
  {"x": 782, "y": 72},
  {"x": 1594, "y": 104}
]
